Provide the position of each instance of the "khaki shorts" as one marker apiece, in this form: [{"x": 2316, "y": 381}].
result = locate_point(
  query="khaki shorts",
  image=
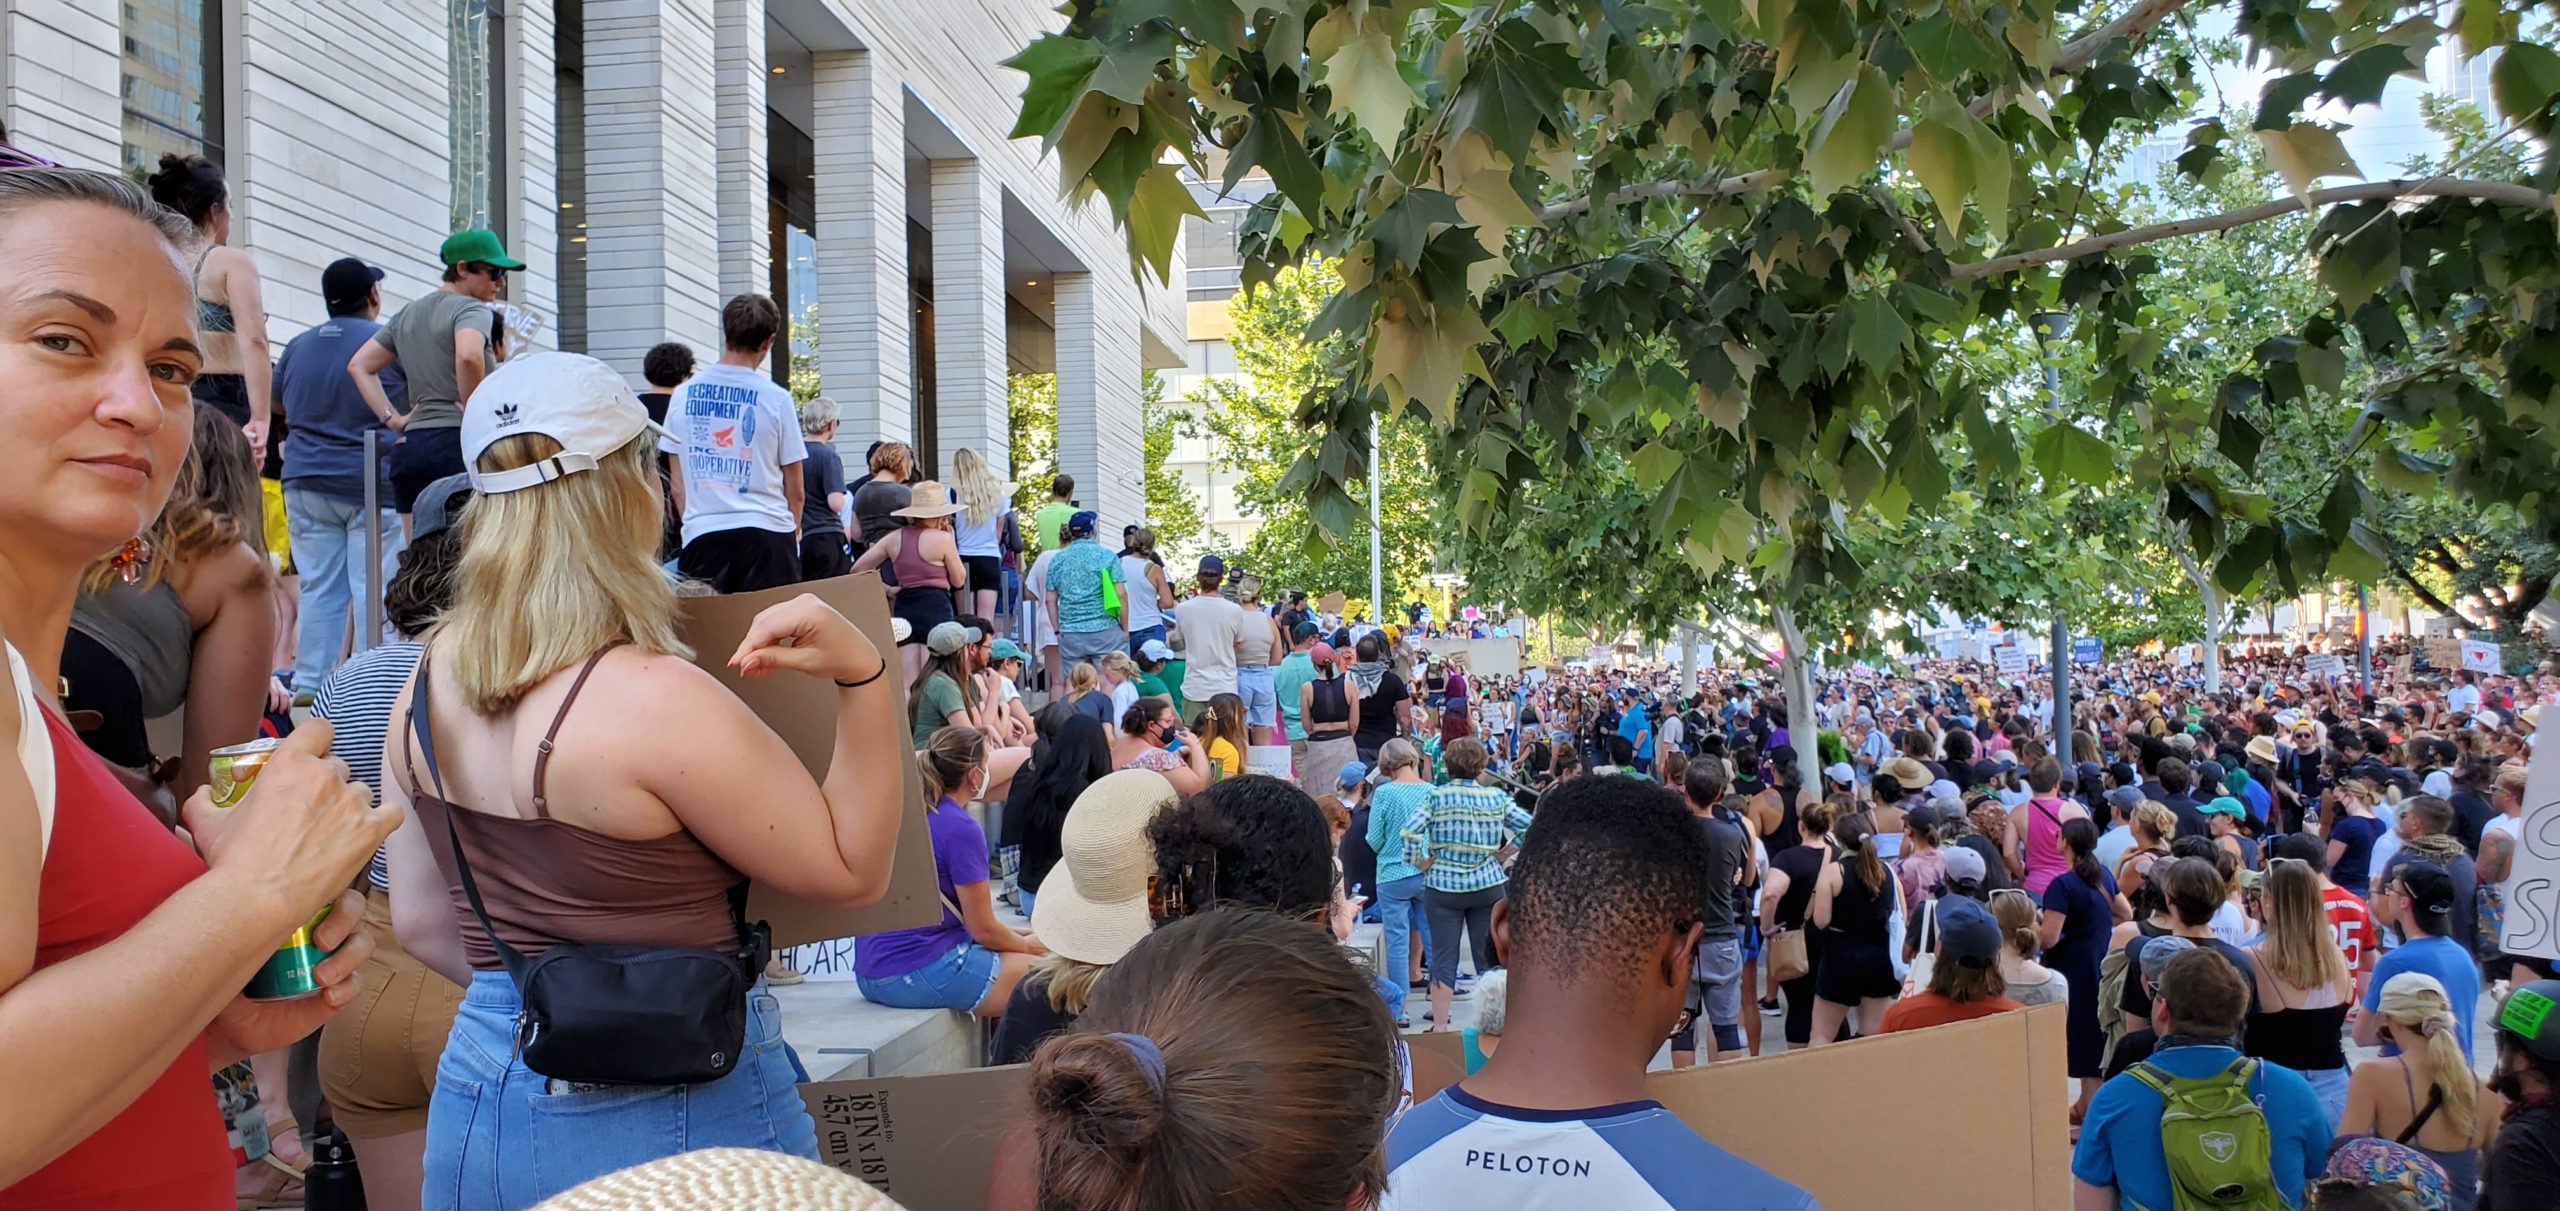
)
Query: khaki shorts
[{"x": 378, "y": 1057}]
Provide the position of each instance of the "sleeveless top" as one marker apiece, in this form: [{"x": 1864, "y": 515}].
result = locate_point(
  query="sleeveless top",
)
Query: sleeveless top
[
  {"x": 914, "y": 570},
  {"x": 1858, "y": 914},
  {"x": 548, "y": 883},
  {"x": 1253, "y": 641},
  {"x": 149, "y": 630},
  {"x": 2461, "y": 1165},
  {"x": 1140, "y": 593},
  {"x": 211, "y": 316},
  {"x": 979, "y": 540},
  {"x": 2043, "y": 845},
  {"x": 109, "y": 864},
  {"x": 2305, "y": 1040},
  {"x": 1790, "y": 833},
  {"x": 1331, "y": 705}
]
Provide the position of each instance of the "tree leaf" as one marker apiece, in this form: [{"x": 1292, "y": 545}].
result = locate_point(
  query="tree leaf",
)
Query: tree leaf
[
  {"x": 1943, "y": 161},
  {"x": 2484, "y": 24},
  {"x": 1056, "y": 69},
  {"x": 2365, "y": 261},
  {"x": 2283, "y": 98},
  {"x": 1877, "y": 332},
  {"x": 2360, "y": 78},
  {"x": 2524, "y": 81},
  {"x": 1851, "y": 133},
  {"x": 1156, "y": 210},
  {"x": 1127, "y": 70},
  {"x": 2305, "y": 152},
  {"x": 1272, "y": 146},
  {"x": 1365, "y": 81},
  {"x": 1654, "y": 465},
  {"x": 1421, "y": 352}
]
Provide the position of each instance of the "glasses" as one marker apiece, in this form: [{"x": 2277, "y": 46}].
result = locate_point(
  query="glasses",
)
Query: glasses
[{"x": 12, "y": 156}]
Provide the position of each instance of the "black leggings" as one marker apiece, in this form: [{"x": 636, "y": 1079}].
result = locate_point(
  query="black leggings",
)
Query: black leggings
[{"x": 1448, "y": 912}]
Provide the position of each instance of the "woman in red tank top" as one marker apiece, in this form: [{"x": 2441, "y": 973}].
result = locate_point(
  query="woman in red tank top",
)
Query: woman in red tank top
[{"x": 123, "y": 948}]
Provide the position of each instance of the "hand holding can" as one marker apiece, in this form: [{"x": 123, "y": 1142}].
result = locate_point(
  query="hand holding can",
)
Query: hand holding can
[{"x": 298, "y": 832}]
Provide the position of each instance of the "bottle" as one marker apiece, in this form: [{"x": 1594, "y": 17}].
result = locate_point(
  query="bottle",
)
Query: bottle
[{"x": 332, "y": 1183}]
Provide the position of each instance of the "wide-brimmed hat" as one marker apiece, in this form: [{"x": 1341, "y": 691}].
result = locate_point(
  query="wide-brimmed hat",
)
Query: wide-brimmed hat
[
  {"x": 930, "y": 500},
  {"x": 2262, "y": 749},
  {"x": 1906, "y": 773},
  {"x": 1093, "y": 906},
  {"x": 724, "y": 1177}
]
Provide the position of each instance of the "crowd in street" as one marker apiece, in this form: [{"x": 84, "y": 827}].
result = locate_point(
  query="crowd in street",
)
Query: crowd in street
[{"x": 531, "y": 816}]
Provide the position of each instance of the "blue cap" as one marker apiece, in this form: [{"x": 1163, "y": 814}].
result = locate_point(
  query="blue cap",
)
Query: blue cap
[
  {"x": 1353, "y": 774},
  {"x": 1083, "y": 522}
]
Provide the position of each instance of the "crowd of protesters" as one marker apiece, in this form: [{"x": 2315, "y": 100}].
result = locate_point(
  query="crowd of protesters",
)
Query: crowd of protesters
[{"x": 533, "y": 816}]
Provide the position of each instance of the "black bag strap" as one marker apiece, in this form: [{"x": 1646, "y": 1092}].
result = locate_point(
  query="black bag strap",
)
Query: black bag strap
[
  {"x": 420, "y": 713},
  {"x": 2435, "y": 1101}
]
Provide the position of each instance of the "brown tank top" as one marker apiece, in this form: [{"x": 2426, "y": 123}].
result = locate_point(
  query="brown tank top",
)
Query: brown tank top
[
  {"x": 914, "y": 570},
  {"x": 547, "y": 883}
]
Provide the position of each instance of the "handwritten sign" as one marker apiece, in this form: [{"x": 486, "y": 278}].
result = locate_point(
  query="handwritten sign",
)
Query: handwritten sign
[
  {"x": 2011, "y": 659},
  {"x": 2325, "y": 665},
  {"x": 2444, "y": 653},
  {"x": 1271, "y": 759},
  {"x": 2481, "y": 656},
  {"x": 2533, "y": 886}
]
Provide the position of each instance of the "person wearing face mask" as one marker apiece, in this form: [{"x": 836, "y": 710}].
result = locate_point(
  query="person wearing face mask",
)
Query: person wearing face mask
[
  {"x": 1152, "y": 738},
  {"x": 2522, "y": 1172},
  {"x": 968, "y": 960}
]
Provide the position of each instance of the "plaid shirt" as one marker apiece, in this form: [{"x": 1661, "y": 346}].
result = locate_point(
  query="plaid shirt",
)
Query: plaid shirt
[{"x": 1459, "y": 830}]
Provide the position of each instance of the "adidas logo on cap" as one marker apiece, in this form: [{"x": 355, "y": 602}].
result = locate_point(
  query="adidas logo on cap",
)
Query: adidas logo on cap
[{"x": 504, "y": 414}]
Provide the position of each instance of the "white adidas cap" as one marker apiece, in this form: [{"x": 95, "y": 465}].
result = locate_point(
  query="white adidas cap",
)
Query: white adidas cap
[{"x": 570, "y": 398}]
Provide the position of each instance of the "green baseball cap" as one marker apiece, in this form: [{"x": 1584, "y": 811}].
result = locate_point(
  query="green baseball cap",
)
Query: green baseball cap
[{"x": 478, "y": 244}]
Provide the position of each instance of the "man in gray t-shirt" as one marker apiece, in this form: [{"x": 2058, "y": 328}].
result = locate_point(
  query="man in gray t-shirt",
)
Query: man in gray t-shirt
[{"x": 445, "y": 342}]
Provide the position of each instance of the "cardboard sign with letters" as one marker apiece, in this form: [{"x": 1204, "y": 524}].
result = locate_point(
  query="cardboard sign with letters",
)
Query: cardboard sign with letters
[
  {"x": 930, "y": 1141},
  {"x": 2533, "y": 886},
  {"x": 2481, "y": 656},
  {"x": 802, "y": 710}
]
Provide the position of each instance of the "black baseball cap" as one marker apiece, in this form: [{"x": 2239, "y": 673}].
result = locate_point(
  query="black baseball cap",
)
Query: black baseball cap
[
  {"x": 2430, "y": 888},
  {"x": 347, "y": 281},
  {"x": 1211, "y": 565}
]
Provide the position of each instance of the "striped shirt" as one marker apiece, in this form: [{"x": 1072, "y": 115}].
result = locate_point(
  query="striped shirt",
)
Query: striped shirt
[
  {"x": 1459, "y": 829},
  {"x": 357, "y": 699}
]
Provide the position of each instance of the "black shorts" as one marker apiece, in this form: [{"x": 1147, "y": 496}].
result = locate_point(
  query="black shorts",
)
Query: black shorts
[
  {"x": 823, "y": 557},
  {"x": 741, "y": 561},
  {"x": 1852, "y": 971},
  {"x": 986, "y": 573},
  {"x": 423, "y": 457}
]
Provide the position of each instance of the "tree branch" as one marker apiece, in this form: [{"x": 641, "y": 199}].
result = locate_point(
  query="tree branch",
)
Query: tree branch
[
  {"x": 2076, "y": 54},
  {"x": 2377, "y": 191}
]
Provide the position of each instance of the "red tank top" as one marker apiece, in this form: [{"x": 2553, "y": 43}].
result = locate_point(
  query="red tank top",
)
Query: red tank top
[{"x": 110, "y": 865}]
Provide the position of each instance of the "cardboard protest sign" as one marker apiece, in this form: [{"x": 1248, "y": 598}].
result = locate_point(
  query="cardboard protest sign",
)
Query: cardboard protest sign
[
  {"x": 2324, "y": 665},
  {"x": 2533, "y": 884},
  {"x": 1271, "y": 759},
  {"x": 2011, "y": 659},
  {"x": 2481, "y": 656},
  {"x": 802, "y": 710},
  {"x": 930, "y": 1141},
  {"x": 2444, "y": 653}
]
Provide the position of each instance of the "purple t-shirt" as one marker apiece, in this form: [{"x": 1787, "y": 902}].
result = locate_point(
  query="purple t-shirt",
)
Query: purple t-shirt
[{"x": 959, "y": 859}]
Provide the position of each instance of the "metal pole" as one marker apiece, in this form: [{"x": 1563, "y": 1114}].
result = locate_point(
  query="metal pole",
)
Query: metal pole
[
  {"x": 2364, "y": 644},
  {"x": 1377, "y": 565},
  {"x": 369, "y": 620},
  {"x": 2051, "y": 326}
]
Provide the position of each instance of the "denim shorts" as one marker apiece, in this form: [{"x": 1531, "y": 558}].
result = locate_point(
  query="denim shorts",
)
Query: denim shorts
[
  {"x": 961, "y": 978},
  {"x": 1261, "y": 699},
  {"x": 1718, "y": 973},
  {"x": 501, "y": 1137}
]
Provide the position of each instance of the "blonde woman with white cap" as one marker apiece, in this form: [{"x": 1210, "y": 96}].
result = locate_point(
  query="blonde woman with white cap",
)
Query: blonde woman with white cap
[
  {"x": 596, "y": 789},
  {"x": 930, "y": 572},
  {"x": 1092, "y": 908},
  {"x": 2426, "y": 1097}
]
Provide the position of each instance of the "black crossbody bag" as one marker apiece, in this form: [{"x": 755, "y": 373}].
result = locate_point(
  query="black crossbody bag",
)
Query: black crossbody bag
[{"x": 616, "y": 1015}]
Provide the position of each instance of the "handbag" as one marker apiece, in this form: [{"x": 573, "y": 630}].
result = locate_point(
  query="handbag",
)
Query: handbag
[
  {"x": 615, "y": 1014},
  {"x": 1788, "y": 959}
]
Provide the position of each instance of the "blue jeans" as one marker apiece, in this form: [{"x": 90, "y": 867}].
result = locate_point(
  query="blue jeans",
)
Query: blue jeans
[
  {"x": 960, "y": 979},
  {"x": 1138, "y": 638},
  {"x": 502, "y": 1138},
  {"x": 1400, "y": 913},
  {"x": 328, "y": 550}
]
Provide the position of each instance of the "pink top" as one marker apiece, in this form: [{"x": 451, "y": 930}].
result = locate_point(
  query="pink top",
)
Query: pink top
[{"x": 2044, "y": 855}]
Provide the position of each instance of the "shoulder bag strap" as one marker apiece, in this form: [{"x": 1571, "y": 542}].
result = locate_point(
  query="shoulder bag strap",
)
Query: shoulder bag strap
[
  {"x": 420, "y": 712},
  {"x": 2435, "y": 1101}
]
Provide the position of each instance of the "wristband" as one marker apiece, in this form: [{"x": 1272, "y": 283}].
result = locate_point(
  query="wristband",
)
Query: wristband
[{"x": 876, "y": 675}]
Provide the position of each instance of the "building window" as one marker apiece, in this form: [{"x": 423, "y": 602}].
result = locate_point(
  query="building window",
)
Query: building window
[
  {"x": 476, "y": 67},
  {"x": 172, "y": 82}
]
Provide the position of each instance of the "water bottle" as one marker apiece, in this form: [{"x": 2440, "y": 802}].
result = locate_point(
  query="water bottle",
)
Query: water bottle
[{"x": 332, "y": 1183}]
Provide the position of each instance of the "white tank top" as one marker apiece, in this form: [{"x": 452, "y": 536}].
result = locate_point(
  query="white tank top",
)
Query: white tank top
[{"x": 1140, "y": 593}]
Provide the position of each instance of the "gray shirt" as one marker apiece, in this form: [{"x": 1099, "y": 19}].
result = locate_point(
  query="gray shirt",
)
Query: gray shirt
[
  {"x": 421, "y": 336},
  {"x": 1726, "y": 903}
]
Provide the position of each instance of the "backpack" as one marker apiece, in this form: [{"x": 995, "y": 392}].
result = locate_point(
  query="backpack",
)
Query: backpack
[
  {"x": 2221, "y": 1155},
  {"x": 2112, "y": 973}
]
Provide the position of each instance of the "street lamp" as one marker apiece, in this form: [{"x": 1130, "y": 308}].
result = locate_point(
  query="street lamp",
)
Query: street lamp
[{"x": 2048, "y": 327}]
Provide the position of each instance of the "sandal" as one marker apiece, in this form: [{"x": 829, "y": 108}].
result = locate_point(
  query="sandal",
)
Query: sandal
[{"x": 266, "y": 1184}]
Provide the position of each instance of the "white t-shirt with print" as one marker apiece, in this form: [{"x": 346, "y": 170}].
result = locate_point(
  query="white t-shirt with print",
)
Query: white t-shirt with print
[{"x": 736, "y": 431}]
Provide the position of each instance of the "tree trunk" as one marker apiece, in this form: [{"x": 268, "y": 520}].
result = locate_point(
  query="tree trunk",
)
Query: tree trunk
[
  {"x": 2215, "y": 610},
  {"x": 1795, "y": 672}
]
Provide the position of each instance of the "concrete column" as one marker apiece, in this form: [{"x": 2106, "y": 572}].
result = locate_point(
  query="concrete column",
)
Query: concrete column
[
  {"x": 653, "y": 245},
  {"x": 968, "y": 314},
  {"x": 866, "y": 312},
  {"x": 1100, "y": 419},
  {"x": 65, "y": 80},
  {"x": 745, "y": 207}
]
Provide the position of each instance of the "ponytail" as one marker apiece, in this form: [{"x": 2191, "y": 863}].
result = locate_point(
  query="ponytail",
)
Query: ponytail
[
  {"x": 2415, "y": 1004},
  {"x": 2080, "y": 836},
  {"x": 946, "y": 759},
  {"x": 1855, "y": 834}
]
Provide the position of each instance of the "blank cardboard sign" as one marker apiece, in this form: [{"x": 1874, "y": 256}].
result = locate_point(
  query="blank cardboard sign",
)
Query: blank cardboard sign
[
  {"x": 802, "y": 710},
  {"x": 1989, "y": 1098}
]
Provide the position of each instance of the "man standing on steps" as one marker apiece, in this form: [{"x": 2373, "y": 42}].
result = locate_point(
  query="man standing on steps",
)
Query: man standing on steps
[
  {"x": 1212, "y": 635},
  {"x": 736, "y": 441},
  {"x": 446, "y": 342}
]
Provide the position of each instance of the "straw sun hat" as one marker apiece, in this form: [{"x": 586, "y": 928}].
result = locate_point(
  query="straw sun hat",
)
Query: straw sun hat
[
  {"x": 931, "y": 500},
  {"x": 723, "y": 1179},
  {"x": 1093, "y": 907}
]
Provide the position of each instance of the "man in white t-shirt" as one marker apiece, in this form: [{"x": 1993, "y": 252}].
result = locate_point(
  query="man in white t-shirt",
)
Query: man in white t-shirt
[
  {"x": 1212, "y": 631},
  {"x": 1040, "y": 619},
  {"x": 737, "y": 438}
]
